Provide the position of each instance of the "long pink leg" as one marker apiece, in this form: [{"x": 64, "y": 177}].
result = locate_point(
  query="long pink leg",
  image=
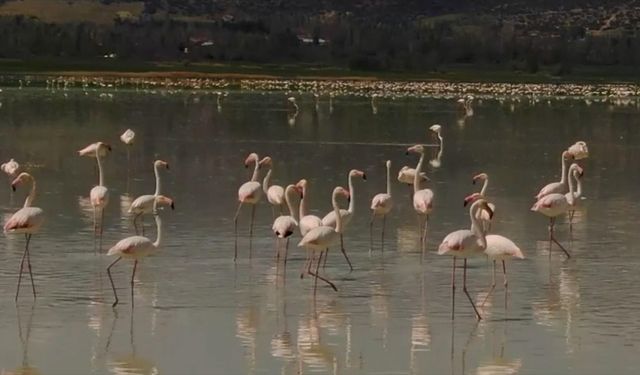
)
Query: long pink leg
[
  {"x": 235, "y": 232},
  {"x": 113, "y": 287},
  {"x": 24, "y": 256},
  {"x": 317, "y": 276},
  {"x": 453, "y": 289},
  {"x": 384, "y": 221},
  {"x": 133, "y": 275},
  {"x": 553, "y": 238},
  {"x": 253, "y": 215},
  {"x": 464, "y": 288},
  {"x": 493, "y": 283},
  {"x": 424, "y": 237},
  {"x": 344, "y": 252},
  {"x": 373, "y": 215},
  {"x": 306, "y": 264},
  {"x": 33, "y": 286}
]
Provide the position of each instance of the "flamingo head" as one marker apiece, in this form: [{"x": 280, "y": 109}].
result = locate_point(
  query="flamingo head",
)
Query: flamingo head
[
  {"x": 567, "y": 155},
  {"x": 339, "y": 190},
  {"x": 266, "y": 161},
  {"x": 484, "y": 205},
  {"x": 302, "y": 184},
  {"x": 472, "y": 198},
  {"x": 22, "y": 178},
  {"x": 162, "y": 200},
  {"x": 355, "y": 172},
  {"x": 388, "y": 163},
  {"x": 479, "y": 176},
  {"x": 436, "y": 128},
  {"x": 579, "y": 150},
  {"x": 291, "y": 100},
  {"x": 294, "y": 188},
  {"x": 103, "y": 145},
  {"x": 576, "y": 169},
  {"x": 161, "y": 163},
  {"x": 417, "y": 149},
  {"x": 252, "y": 158}
]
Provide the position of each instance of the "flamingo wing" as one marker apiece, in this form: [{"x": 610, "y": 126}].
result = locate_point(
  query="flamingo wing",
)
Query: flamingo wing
[
  {"x": 249, "y": 192},
  {"x": 275, "y": 194},
  {"x": 319, "y": 238},
  {"x": 25, "y": 220},
  {"x": 329, "y": 219},
  {"x": 500, "y": 247},
  {"x": 309, "y": 222},
  {"x": 284, "y": 226},
  {"x": 142, "y": 204},
  {"x": 456, "y": 242},
  {"x": 99, "y": 196},
  {"x": 423, "y": 201},
  {"x": 552, "y": 188},
  {"x": 382, "y": 202},
  {"x": 131, "y": 247}
]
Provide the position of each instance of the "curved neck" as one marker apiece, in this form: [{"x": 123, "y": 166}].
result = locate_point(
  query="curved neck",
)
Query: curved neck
[
  {"x": 336, "y": 210},
  {"x": 100, "y": 174},
  {"x": 287, "y": 198},
  {"x": 563, "y": 173},
  {"x": 416, "y": 178},
  {"x": 389, "y": 179},
  {"x": 256, "y": 169},
  {"x": 158, "y": 185},
  {"x": 267, "y": 179},
  {"x": 441, "y": 140},
  {"x": 351, "y": 192},
  {"x": 484, "y": 186},
  {"x": 159, "y": 230},
  {"x": 578, "y": 193},
  {"x": 303, "y": 203},
  {"x": 32, "y": 194},
  {"x": 571, "y": 191},
  {"x": 476, "y": 228}
]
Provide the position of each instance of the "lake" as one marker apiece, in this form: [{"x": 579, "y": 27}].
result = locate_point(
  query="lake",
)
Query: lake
[{"x": 198, "y": 312}]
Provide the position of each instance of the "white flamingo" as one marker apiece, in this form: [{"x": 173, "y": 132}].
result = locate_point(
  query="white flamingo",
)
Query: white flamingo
[
  {"x": 99, "y": 195},
  {"x": 561, "y": 186},
  {"x": 381, "y": 205},
  {"x": 422, "y": 198},
  {"x": 10, "y": 168},
  {"x": 134, "y": 248},
  {"x": 307, "y": 221},
  {"x": 330, "y": 219},
  {"x": 319, "y": 239},
  {"x": 285, "y": 225},
  {"x": 90, "y": 150},
  {"x": 577, "y": 195},
  {"x": 274, "y": 193},
  {"x": 248, "y": 193},
  {"x": 27, "y": 221},
  {"x": 128, "y": 137},
  {"x": 579, "y": 150},
  {"x": 483, "y": 216},
  {"x": 406, "y": 174},
  {"x": 556, "y": 204},
  {"x": 465, "y": 243},
  {"x": 144, "y": 203}
]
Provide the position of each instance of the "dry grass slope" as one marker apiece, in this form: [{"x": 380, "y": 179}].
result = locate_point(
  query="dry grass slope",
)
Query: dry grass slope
[{"x": 61, "y": 11}]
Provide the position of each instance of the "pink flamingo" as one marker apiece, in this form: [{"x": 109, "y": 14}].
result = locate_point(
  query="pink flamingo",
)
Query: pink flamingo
[
  {"x": 406, "y": 175},
  {"x": 90, "y": 150},
  {"x": 483, "y": 216},
  {"x": 330, "y": 218},
  {"x": 579, "y": 150},
  {"x": 10, "y": 168},
  {"x": 307, "y": 222},
  {"x": 576, "y": 197},
  {"x": 285, "y": 225},
  {"x": 561, "y": 186},
  {"x": 248, "y": 193},
  {"x": 27, "y": 221},
  {"x": 422, "y": 198},
  {"x": 144, "y": 203},
  {"x": 556, "y": 204},
  {"x": 319, "y": 239},
  {"x": 381, "y": 205},
  {"x": 135, "y": 248},
  {"x": 465, "y": 243},
  {"x": 274, "y": 193},
  {"x": 99, "y": 195}
]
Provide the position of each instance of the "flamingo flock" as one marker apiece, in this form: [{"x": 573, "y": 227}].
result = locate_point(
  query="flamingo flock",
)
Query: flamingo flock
[{"x": 318, "y": 235}]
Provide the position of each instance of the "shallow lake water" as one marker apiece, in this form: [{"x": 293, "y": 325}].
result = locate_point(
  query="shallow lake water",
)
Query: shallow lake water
[{"x": 198, "y": 312}]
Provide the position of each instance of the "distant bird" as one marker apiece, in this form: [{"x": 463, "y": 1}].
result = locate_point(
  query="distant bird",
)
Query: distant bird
[
  {"x": 128, "y": 137},
  {"x": 294, "y": 105},
  {"x": 27, "y": 221},
  {"x": 556, "y": 204},
  {"x": 374, "y": 106},
  {"x": 330, "y": 218},
  {"x": 316, "y": 98},
  {"x": 319, "y": 239},
  {"x": 274, "y": 193},
  {"x": 90, "y": 150},
  {"x": 249, "y": 193},
  {"x": 285, "y": 225},
  {"x": 465, "y": 243},
  {"x": 10, "y": 168},
  {"x": 381, "y": 205},
  {"x": 561, "y": 186},
  {"x": 437, "y": 131},
  {"x": 422, "y": 198},
  {"x": 144, "y": 203},
  {"x": 579, "y": 150},
  {"x": 467, "y": 105},
  {"x": 99, "y": 195},
  {"x": 135, "y": 248}
]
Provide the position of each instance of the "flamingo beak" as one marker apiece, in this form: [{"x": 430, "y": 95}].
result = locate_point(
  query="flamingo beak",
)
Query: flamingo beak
[
  {"x": 13, "y": 187},
  {"x": 489, "y": 210},
  {"x": 173, "y": 206},
  {"x": 473, "y": 182},
  {"x": 364, "y": 177},
  {"x": 466, "y": 202},
  {"x": 167, "y": 166},
  {"x": 108, "y": 147}
]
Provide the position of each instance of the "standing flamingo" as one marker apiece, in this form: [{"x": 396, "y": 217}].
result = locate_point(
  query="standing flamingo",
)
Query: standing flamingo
[
  {"x": 483, "y": 216},
  {"x": 144, "y": 203},
  {"x": 99, "y": 195},
  {"x": 27, "y": 221},
  {"x": 381, "y": 205},
  {"x": 555, "y": 204},
  {"x": 319, "y": 239},
  {"x": 422, "y": 198},
  {"x": 135, "y": 248},
  {"x": 577, "y": 176},
  {"x": 128, "y": 137},
  {"x": 465, "y": 243},
  {"x": 307, "y": 221},
  {"x": 558, "y": 187},
  {"x": 285, "y": 225},
  {"x": 330, "y": 219},
  {"x": 406, "y": 174},
  {"x": 248, "y": 193},
  {"x": 90, "y": 150},
  {"x": 275, "y": 193}
]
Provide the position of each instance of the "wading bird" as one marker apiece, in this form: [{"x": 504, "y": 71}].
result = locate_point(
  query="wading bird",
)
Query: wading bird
[
  {"x": 274, "y": 193},
  {"x": 422, "y": 199},
  {"x": 285, "y": 225},
  {"x": 248, "y": 193},
  {"x": 144, "y": 203},
  {"x": 99, "y": 195},
  {"x": 381, "y": 205},
  {"x": 561, "y": 186}
]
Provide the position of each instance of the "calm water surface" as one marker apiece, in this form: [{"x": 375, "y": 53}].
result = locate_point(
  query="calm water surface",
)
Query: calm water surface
[{"x": 196, "y": 312}]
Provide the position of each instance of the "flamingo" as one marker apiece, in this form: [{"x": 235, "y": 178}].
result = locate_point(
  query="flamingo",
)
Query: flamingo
[
  {"x": 144, "y": 203},
  {"x": 248, "y": 193},
  {"x": 374, "y": 106},
  {"x": 557, "y": 187},
  {"x": 579, "y": 150},
  {"x": 331, "y": 220},
  {"x": 128, "y": 137},
  {"x": 90, "y": 150},
  {"x": 483, "y": 216},
  {"x": 274, "y": 193},
  {"x": 285, "y": 225},
  {"x": 465, "y": 243},
  {"x": 576, "y": 196},
  {"x": 307, "y": 222},
  {"x": 406, "y": 174},
  {"x": 294, "y": 105},
  {"x": 555, "y": 204},
  {"x": 10, "y": 168},
  {"x": 27, "y": 221},
  {"x": 381, "y": 205},
  {"x": 319, "y": 239},
  {"x": 135, "y": 248},
  {"x": 422, "y": 198},
  {"x": 99, "y": 195}
]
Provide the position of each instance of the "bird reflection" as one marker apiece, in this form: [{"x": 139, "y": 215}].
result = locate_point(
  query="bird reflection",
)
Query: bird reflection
[
  {"x": 24, "y": 335},
  {"x": 291, "y": 118},
  {"x": 498, "y": 364},
  {"x": 380, "y": 310},
  {"x": 125, "y": 217},
  {"x": 437, "y": 161},
  {"x": 374, "y": 105},
  {"x": 407, "y": 238},
  {"x": 311, "y": 351},
  {"x": 420, "y": 334},
  {"x": 246, "y": 329},
  {"x": 130, "y": 363}
]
